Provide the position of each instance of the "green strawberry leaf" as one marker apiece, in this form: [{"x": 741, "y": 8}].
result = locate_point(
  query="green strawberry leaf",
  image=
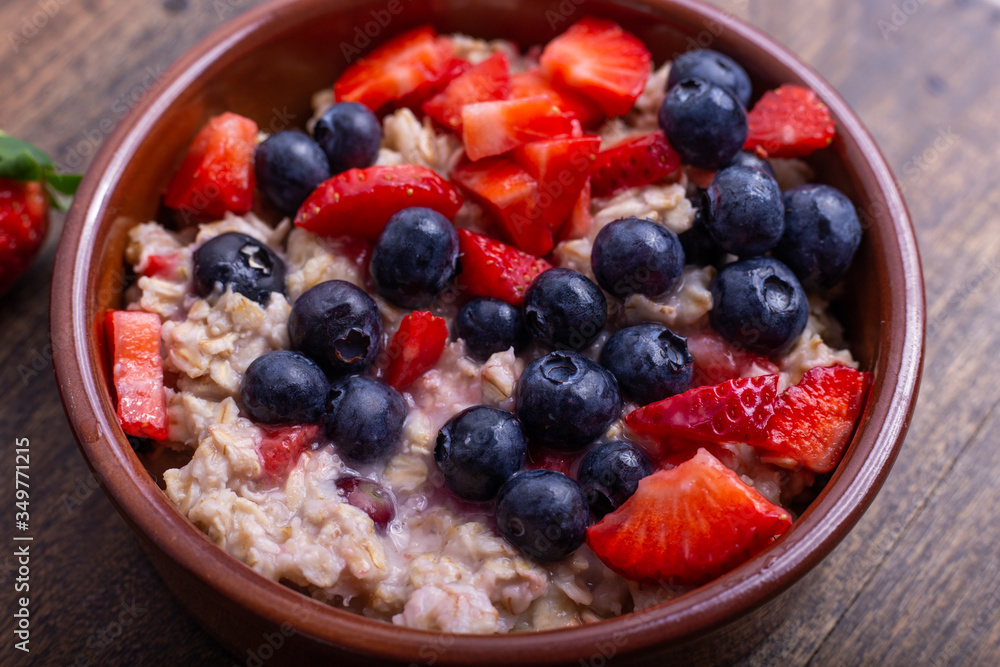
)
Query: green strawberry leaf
[{"x": 21, "y": 161}]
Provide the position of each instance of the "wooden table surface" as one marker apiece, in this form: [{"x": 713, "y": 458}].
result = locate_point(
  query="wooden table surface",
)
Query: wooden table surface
[{"x": 916, "y": 582}]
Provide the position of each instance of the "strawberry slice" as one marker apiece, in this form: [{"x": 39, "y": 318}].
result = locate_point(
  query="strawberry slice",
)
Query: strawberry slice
[
  {"x": 717, "y": 360},
  {"x": 360, "y": 201},
  {"x": 133, "y": 339},
  {"x": 489, "y": 80},
  {"x": 687, "y": 525},
  {"x": 635, "y": 162},
  {"x": 734, "y": 411},
  {"x": 415, "y": 348},
  {"x": 404, "y": 65},
  {"x": 561, "y": 167},
  {"x": 597, "y": 58},
  {"x": 580, "y": 219},
  {"x": 494, "y": 269},
  {"x": 814, "y": 419},
  {"x": 533, "y": 83},
  {"x": 789, "y": 122},
  {"x": 281, "y": 446},
  {"x": 452, "y": 70},
  {"x": 216, "y": 175},
  {"x": 493, "y": 128}
]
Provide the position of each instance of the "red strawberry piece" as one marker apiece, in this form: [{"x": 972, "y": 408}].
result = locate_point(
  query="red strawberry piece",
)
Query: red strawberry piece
[
  {"x": 562, "y": 168},
  {"x": 635, "y": 162},
  {"x": 510, "y": 195},
  {"x": 489, "y": 80},
  {"x": 216, "y": 175},
  {"x": 162, "y": 266},
  {"x": 547, "y": 459},
  {"x": 133, "y": 339},
  {"x": 687, "y": 525},
  {"x": 734, "y": 411},
  {"x": 415, "y": 348},
  {"x": 455, "y": 68},
  {"x": 814, "y": 419},
  {"x": 789, "y": 122},
  {"x": 597, "y": 58},
  {"x": 24, "y": 222},
  {"x": 495, "y": 269},
  {"x": 580, "y": 219},
  {"x": 281, "y": 446},
  {"x": 533, "y": 83},
  {"x": 361, "y": 201},
  {"x": 402, "y": 66},
  {"x": 717, "y": 360},
  {"x": 493, "y": 128}
]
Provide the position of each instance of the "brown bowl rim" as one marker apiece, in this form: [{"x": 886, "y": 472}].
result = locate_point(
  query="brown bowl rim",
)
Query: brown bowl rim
[{"x": 149, "y": 512}]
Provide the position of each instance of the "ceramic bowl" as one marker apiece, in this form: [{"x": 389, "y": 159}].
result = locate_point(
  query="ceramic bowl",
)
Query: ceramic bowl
[{"x": 265, "y": 65}]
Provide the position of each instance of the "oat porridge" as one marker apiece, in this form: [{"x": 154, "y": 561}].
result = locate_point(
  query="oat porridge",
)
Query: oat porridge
[{"x": 508, "y": 341}]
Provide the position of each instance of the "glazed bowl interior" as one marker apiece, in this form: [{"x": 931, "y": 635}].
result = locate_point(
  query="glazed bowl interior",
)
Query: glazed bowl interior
[{"x": 266, "y": 65}]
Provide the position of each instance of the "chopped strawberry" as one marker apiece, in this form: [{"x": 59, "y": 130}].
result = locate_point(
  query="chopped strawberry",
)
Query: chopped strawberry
[
  {"x": 562, "y": 168},
  {"x": 494, "y": 269},
  {"x": 493, "y": 128},
  {"x": 687, "y": 525},
  {"x": 814, "y": 419},
  {"x": 133, "y": 339},
  {"x": 281, "y": 446},
  {"x": 533, "y": 83},
  {"x": 635, "y": 162},
  {"x": 361, "y": 201},
  {"x": 489, "y": 80},
  {"x": 455, "y": 68},
  {"x": 402, "y": 66},
  {"x": 415, "y": 348},
  {"x": 733, "y": 411},
  {"x": 216, "y": 175},
  {"x": 24, "y": 222},
  {"x": 597, "y": 58},
  {"x": 789, "y": 122},
  {"x": 510, "y": 195},
  {"x": 162, "y": 266},
  {"x": 717, "y": 360},
  {"x": 580, "y": 219}
]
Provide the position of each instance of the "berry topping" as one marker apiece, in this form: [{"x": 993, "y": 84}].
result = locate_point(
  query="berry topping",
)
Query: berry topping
[
  {"x": 633, "y": 256},
  {"x": 543, "y": 514},
  {"x": 289, "y": 165},
  {"x": 532, "y": 83},
  {"x": 350, "y": 136},
  {"x": 758, "y": 305},
  {"x": 746, "y": 216},
  {"x": 564, "y": 309},
  {"x": 133, "y": 339},
  {"x": 337, "y": 325},
  {"x": 283, "y": 387},
  {"x": 364, "y": 419},
  {"x": 487, "y": 81},
  {"x": 566, "y": 401},
  {"x": 493, "y": 128},
  {"x": 281, "y": 447},
  {"x": 241, "y": 262},
  {"x": 713, "y": 67},
  {"x": 789, "y": 122},
  {"x": 716, "y": 360},
  {"x": 610, "y": 474},
  {"x": 415, "y": 348},
  {"x": 633, "y": 163},
  {"x": 494, "y": 269},
  {"x": 649, "y": 361},
  {"x": 478, "y": 450},
  {"x": 822, "y": 233},
  {"x": 704, "y": 123},
  {"x": 415, "y": 257},
  {"x": 489, "y": 326},
  {"x": 369, "y": 497},
  {"x": 750, "y": 159}
]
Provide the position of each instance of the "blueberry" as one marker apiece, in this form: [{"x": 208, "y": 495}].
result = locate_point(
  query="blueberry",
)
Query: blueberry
[
  {"x": 338, "y": 325},
  {"x": 564, "y": 309},
  {"x": 284, "y": 387},
  {"x": 610, "y": 474},
  {"x": 745, "y": 213},
  {"x": 543, "y": 514},
  {"x": 566, "y": 401},
  {"x": 288, "y": 166},
  {"x": 633, "y": 256},
  {"x": 758, "y": 305},
  {"x": 415, "y": 257},
  {"x": 490, "y": 325},
  {"x": 478, "y": 450},
  {"x": 704, "y": 123},
  {"x": 242, "y": 262},
  {"x": 649, "y": 361},
  {"x": 748, "y": 159},
  {"x": 369, "y": 497},
  {"x": 822, "y": 233},
  {"x": 350, "y": 135},
  {"x": 364, "y": 419},
  {"x": 699, "y": 247},
  {"x": 713, "y": 67}
]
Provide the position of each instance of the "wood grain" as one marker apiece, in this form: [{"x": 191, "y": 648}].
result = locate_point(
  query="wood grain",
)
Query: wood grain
[{"x": 917, "y": 581}]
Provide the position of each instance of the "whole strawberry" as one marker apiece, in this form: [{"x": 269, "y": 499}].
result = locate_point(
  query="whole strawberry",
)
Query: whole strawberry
[{"x": 28, "y": 185}]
